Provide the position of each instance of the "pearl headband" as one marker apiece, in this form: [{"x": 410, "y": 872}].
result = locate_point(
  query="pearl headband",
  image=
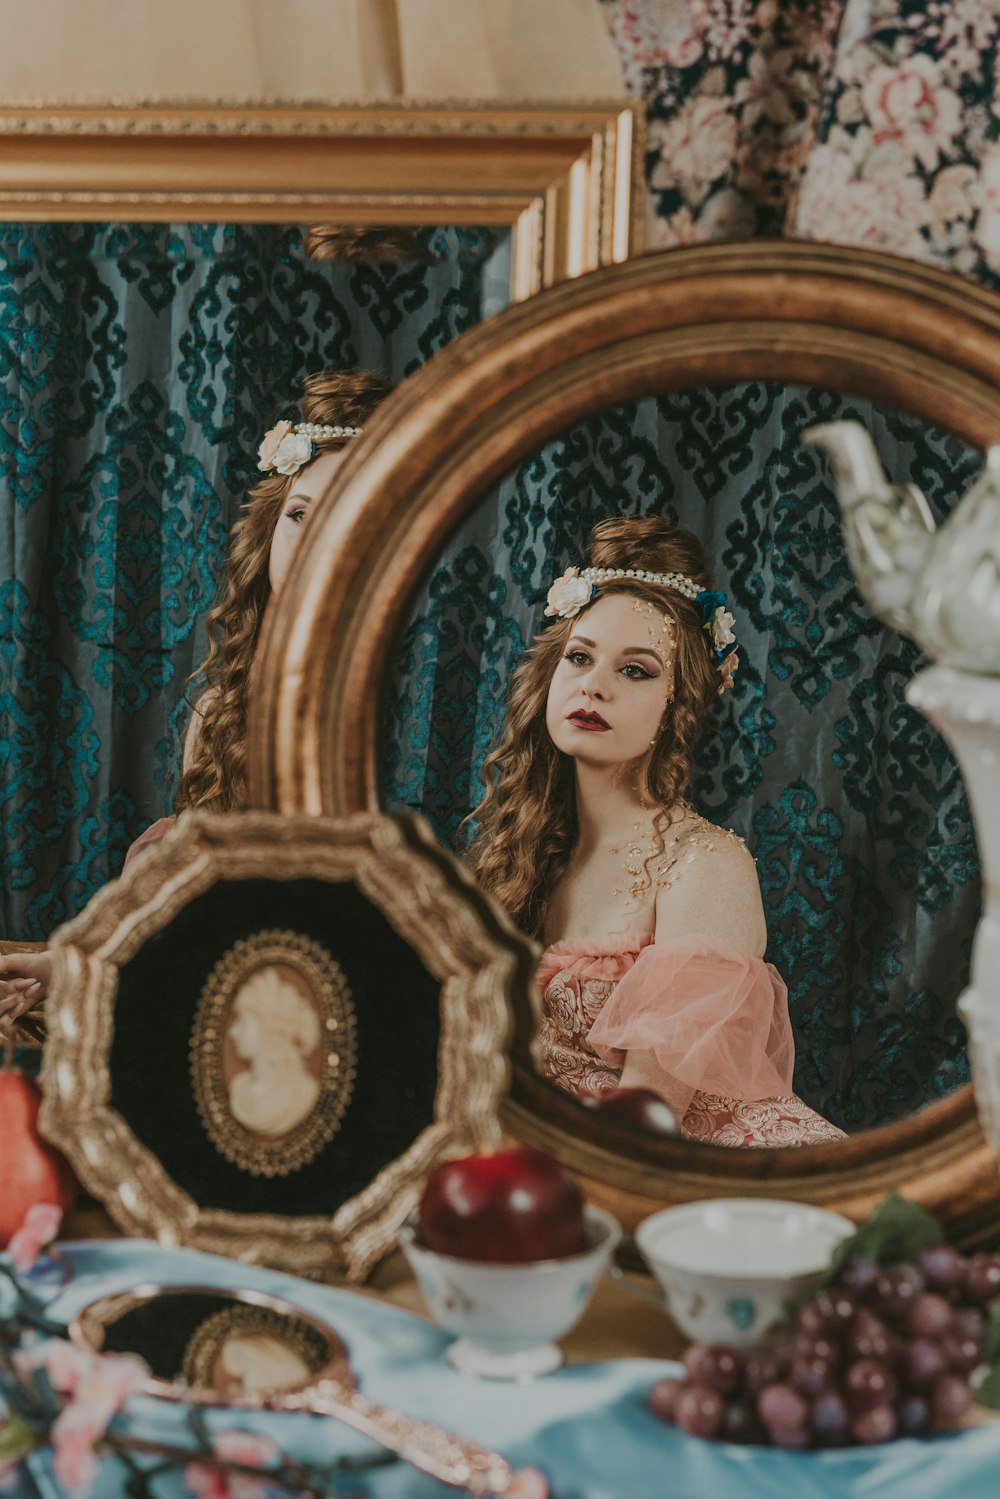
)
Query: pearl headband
[
  {"x": 286, "y": 447},
  {"x": 574, "y": 590}
]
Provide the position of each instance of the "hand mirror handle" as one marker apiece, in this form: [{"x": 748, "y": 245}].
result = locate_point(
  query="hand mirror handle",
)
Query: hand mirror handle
[{"x": 430, "y": 1448}]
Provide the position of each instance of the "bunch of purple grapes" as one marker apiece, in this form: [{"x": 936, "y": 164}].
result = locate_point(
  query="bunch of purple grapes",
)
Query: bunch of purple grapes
[{"x": 884, "y": 1352}]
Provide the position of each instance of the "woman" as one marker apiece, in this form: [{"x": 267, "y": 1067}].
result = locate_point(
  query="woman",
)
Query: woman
[
  {"x": 276, "y": 1031},
  {"x": 299, "y": 461},
  {"x": 652, "y": 917}
]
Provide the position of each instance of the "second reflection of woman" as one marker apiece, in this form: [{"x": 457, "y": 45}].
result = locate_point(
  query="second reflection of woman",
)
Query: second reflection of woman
[
  {"x": 653, "y": 974},
  {"x": 298, "y": 460}
]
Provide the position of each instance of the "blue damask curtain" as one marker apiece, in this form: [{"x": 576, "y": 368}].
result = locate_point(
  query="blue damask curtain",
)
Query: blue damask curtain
[
  {"x": 139, "y": 367},
  {"x": 850, "y": 801}
]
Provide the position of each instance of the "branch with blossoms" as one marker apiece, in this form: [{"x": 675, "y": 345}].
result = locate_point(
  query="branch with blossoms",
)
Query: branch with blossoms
[
  {"x": 54, "y": 1394},
  {"x": 68, "y": 1398}
]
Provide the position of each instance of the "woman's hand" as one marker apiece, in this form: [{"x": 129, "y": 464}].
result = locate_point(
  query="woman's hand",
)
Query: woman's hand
[{"x": 24, "y": 983}]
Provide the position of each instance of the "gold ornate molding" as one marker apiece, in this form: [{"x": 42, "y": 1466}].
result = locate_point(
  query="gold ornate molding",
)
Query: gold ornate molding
[{"x": 565, "y": 178}]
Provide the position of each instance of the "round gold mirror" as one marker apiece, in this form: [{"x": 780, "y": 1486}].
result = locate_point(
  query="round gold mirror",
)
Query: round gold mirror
[{"x": 866, "y": 325}]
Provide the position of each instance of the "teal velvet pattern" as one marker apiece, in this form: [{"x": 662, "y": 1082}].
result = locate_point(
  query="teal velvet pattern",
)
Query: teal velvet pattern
[
  {"x": 139, "y": 367},
  {"x": 850, "y": 801}
]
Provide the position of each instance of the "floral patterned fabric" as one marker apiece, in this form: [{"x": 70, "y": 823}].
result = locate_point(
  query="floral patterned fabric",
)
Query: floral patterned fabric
[
  {"x": 577, "y": 984},
  {"x": 862, "y": 122}
]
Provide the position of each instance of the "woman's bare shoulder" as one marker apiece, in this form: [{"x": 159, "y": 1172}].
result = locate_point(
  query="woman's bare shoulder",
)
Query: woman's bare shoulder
[
  {"x": 711, "y": 888},
  {"x": 204, "y": 701}
]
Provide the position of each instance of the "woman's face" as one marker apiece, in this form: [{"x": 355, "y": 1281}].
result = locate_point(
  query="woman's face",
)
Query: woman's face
[
  {"x": 245, "y": 1032},
  {"x": 307, "y": 485},
  {"x": 613, "y": 682}
]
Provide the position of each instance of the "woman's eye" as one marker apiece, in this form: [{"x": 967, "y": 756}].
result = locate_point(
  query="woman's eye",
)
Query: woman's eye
[
  {"x": 577, "y": 658},
  {"x": 296, "y": 513},
  {"x": 635, "y": 672}
]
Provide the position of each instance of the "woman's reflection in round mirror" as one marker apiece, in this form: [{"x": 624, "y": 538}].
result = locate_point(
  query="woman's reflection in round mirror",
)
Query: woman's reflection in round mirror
[
  {"x": 653, "y": 974},
  {"x": 298, "y": 460}
]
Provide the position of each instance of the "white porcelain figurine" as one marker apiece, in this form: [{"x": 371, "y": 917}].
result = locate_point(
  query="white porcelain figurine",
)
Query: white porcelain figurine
[{"x": 941, "y": 586}]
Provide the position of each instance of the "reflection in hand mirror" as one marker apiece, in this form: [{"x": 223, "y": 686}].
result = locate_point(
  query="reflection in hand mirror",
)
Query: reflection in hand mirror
[
  {"x": 217, "y": 1345},
  {"x": 848, "y": 799},
  {"x": 244, "y": 1348},
  {"x": 160, "y": 354}
]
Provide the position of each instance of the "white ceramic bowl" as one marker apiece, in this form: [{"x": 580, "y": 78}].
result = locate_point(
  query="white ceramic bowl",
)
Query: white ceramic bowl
[
  {"x": 506, "y": 1316},
  {"x": 734, "y": 1269}
]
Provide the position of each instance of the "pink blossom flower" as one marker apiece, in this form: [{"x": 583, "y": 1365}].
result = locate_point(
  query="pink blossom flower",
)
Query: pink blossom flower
[
  {"x": 246, "y": 1448},
  {"x": 207, "y": 1483},
  {"x": 40, "y": 1226},
  {"x": 74, "y": 1438},
  {"x": 97, "y": 1386},
  {"x": 217, "y": 1483},
  {"x": 64, "y": 1363},
  {"x": 909, "y": 104}
]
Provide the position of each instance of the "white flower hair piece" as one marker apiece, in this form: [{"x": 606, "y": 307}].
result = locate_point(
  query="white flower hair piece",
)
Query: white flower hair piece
[
  {"x": 568, "y": 594},
  {"x": 287, "y": 447},
  {"x": 576, "y": 587}
]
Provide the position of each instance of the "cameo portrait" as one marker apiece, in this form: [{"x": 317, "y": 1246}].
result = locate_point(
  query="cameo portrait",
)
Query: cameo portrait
[
  {"x": 244, "y": 1350},
  {"x": 273, "y": 1052}
]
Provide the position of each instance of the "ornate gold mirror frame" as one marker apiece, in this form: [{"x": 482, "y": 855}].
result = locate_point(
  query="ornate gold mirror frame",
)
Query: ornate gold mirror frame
[
  {"x": 564, "y": 177},
  {"x": 300, "y": 928},
  {"x": 862, "y": 323}
]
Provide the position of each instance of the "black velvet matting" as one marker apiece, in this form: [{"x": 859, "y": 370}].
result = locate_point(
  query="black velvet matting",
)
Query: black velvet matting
[
  {"x": 160, "y": 1330},
  {"x": 397, "y": 1003}
]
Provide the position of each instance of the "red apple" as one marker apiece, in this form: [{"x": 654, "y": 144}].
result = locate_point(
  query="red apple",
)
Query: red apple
[
  {"x": 636, "y": 1106},
  {"x": 31, "y": 1170},
  {"x": 511, "y": 1207}
]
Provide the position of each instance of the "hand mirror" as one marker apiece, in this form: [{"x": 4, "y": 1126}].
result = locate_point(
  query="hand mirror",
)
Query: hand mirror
[{"x": 250, "y": 1351}]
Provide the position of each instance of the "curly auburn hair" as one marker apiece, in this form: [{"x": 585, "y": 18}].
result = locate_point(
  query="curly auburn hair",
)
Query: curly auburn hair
[
  {"x": 216, "y": 777},
  {"x": 527, "y": 825}
]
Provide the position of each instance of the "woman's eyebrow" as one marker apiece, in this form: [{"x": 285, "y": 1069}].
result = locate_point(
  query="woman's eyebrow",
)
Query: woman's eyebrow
[{"x": 628, "y": 650}]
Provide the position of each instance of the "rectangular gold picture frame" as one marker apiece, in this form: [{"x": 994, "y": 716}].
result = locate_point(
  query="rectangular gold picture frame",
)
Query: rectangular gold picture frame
[{"x": 565, "y": 177}]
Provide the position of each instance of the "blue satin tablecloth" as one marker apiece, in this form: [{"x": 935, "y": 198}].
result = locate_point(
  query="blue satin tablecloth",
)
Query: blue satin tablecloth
[{"x": 586, "y": 1426}]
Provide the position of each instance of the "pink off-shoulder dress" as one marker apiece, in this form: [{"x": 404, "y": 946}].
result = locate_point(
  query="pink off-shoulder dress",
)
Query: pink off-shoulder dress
[{"x": 715, "y": 1020}]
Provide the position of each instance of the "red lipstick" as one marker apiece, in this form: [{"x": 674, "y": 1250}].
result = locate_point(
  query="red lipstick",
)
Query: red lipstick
[{"x": 592, "y": 721}]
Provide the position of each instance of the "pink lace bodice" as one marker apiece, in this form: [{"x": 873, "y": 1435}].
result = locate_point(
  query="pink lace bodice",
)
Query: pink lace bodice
[{"x": 715, "y": 1020}]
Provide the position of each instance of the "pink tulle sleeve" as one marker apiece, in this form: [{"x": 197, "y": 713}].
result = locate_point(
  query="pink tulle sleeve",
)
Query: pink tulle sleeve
[
  {"x": 715, "y": 1020},
  {"x": 153, "y": 834}
]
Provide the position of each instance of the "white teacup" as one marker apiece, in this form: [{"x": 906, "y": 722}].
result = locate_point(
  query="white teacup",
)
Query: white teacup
[
  {"x": 734, "y": 1269},
  {"x": 507, "y": 1315}
]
